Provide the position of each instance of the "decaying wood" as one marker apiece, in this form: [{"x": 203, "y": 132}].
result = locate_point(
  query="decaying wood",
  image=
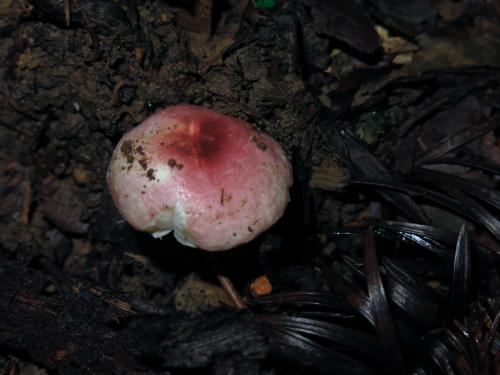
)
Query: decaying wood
[{"x": 90, "y": 329}]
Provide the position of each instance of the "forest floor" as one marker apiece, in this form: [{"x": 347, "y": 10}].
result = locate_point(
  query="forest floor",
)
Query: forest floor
[{"x": 387, "y": 258}]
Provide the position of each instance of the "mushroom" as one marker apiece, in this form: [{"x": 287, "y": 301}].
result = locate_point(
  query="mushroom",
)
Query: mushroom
[{"x": 215, "y": 181}]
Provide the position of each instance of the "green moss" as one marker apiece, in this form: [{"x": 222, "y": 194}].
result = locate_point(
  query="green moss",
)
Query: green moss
[
  {"x": 265, "y": 3},
  {"x": 372, "y": 125}
]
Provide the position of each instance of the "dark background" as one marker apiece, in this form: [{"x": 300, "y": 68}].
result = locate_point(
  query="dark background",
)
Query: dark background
[{"x": 388, "y": 110}]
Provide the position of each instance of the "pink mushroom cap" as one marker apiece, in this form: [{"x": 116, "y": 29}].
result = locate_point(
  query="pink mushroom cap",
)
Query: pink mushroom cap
[{"x": 215, "y": 181}]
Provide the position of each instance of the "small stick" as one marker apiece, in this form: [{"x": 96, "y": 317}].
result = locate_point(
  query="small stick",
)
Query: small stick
[
  {"x": 25, "y": 208},
  {"x": 232, "y": 293},
  {"x": 215, "y": 263},
  {"x": 67, "y": 12}
]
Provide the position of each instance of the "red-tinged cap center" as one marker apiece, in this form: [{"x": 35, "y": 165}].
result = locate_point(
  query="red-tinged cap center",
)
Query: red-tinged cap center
[{"x": 198, "y": 143}]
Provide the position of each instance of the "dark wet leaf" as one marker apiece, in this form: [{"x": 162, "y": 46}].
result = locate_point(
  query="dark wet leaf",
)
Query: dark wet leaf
[
  {"x": 407, "y": 16},
  {"x": 362, "y": 164},
  {"x": 329, "y": 316},
  {"x": 450, "y": 143},
  {"x": 357, "y": 298},
  {"x": 347, "y": 22},
  {"x": 443, "y": 352},
  {"x": 467, "y": 346},
  {"x": 416, "y": 191},
  {"x": 459, "y": 203},
  {"x": 444, "y": 97},
  {"x": 416, "y": 230},
  {"x": 462, "y": 270},
  {"x": 339, "y": 336},
  {"x": 436, "y": 240},
  {"x": 297, "y": 348},
  {"x": 420, "y": 310},
  {"x": 407, "y": 232},
  {"x": 410, "y": 280},
  {"x": 354, "y": 295},
  {"x": 472, "y": 188},
  {"x": 434, "y": 106},
  {"x": 492, "y": 341},
  {"x": 414, "y": 233},
  {"x": 384, "y": 325},
  {"x": 327, "y": 301},
  {"x": 484, "y": 165},
  {"x": 403, "y": 296},
  {"x": 479, "y": 213}
]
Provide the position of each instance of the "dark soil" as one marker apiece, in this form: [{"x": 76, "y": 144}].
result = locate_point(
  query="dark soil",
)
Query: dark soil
[{"x": 389, "y": 111}]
